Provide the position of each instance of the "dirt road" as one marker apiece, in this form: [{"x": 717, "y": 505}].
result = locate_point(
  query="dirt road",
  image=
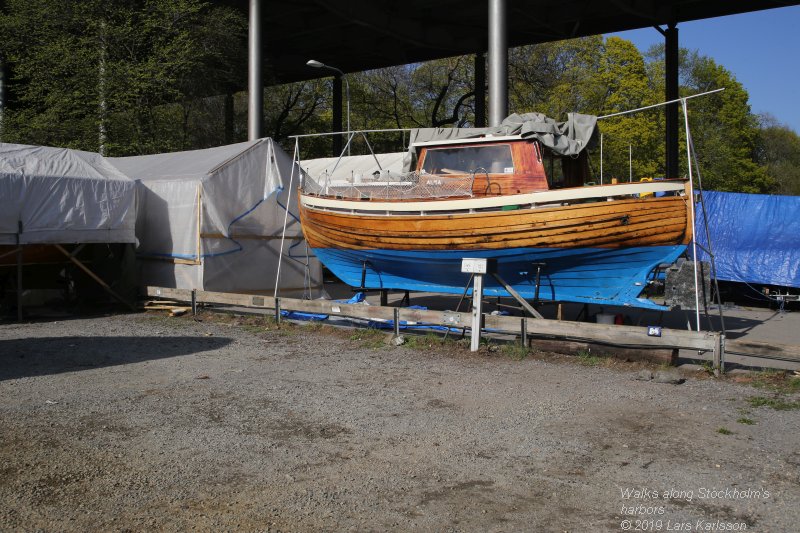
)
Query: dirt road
[{"x": 143, "y": 422}]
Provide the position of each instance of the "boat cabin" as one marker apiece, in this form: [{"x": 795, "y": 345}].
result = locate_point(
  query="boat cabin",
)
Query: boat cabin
[{"x": 499, "y": 165}]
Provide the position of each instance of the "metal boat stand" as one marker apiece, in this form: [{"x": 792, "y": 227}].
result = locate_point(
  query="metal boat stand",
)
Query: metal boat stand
[
  {"x": 518, "y": 297},
  {"x": 458, "y": 307},
  {"x": 406, "y": 301}
]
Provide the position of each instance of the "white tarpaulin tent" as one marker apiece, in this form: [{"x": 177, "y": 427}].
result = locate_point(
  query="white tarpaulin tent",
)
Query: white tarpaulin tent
[
  {"x": 213, "y": 219},
  {"x": 58, "y": 195}
]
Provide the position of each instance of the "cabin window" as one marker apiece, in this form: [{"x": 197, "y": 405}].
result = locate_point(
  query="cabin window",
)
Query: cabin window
[
  {"x": 554, "y": 170},
  {"x": 566, "y": 171},
  {"x": 494, "y": 159}
]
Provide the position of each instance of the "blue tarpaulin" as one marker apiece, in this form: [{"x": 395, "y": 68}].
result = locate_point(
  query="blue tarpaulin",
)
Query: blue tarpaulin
[{"x": 755, "y": 237}]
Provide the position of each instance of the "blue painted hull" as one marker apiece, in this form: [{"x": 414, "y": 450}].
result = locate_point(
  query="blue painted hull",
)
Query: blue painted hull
[{"x": 606, "y": 276}]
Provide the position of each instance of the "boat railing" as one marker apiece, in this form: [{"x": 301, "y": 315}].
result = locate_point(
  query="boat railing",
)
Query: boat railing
[{"x": 388, "y": 185}]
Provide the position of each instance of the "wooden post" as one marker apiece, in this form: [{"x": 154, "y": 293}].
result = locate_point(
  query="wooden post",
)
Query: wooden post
[
  {"x": 524, "y": 335},
  {"x": 199, "y": 256},
  {"x": 560, "y": 312},
  {"x": 19, "y": 271},
  {"x": 719, "y": 367},
  {"x": 19, "y": 281},
  {"x": 384, "y": 297},
  {"x": 396, "y": 322},
  {"x": 477, "y": 313},
  {"x": 194, "y": 302},
  {"x": 278, "y": 311}
]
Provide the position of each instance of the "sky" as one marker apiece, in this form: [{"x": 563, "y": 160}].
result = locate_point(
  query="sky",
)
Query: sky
[{"x": 761, "y": 49}]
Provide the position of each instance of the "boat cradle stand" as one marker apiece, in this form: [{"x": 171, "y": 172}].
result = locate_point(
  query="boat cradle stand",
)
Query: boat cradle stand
[
  {"x": 531, "y": 309},
  {"x": 384, "y": 292}
]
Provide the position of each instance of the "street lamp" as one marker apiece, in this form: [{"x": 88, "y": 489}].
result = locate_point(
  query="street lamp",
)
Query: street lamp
[{"x": 317, "y": 64}]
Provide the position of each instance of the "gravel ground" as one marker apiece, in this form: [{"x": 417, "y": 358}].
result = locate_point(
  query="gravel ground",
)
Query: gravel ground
[{"x": 143, "y": 422}]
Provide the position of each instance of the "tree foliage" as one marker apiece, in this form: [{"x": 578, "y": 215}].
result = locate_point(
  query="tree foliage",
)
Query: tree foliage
[
  {"x": 135, "y": 69},
  {"x": 144, "y": 76},
  {"x": 779, "y": 154}
]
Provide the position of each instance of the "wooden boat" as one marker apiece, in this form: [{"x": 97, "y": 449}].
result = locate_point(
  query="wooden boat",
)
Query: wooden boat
[{"x": 491, "y": 197}]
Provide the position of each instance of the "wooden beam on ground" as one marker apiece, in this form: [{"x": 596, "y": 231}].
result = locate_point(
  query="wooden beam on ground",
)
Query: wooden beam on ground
[
  {"x": 755, "y": 353},
  {"x": 654, "y": 355},
  {"x": 617, "y": 335},
  {"x": 631, "y": 341},
  {"x": 761, "y": 362}
]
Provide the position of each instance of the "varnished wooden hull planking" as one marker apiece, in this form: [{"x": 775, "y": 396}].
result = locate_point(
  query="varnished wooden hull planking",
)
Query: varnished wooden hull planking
[
  {"x": 621, "y": 223},
  {"x": 600, "y": 252}
]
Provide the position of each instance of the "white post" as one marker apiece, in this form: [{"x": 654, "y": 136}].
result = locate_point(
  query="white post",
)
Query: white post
[
  {"x": 691, "y": 211},
  {"x": 477, "y": 313},
  {"x": 630, "y": 163},
  {"x": 477, "y": 266}
]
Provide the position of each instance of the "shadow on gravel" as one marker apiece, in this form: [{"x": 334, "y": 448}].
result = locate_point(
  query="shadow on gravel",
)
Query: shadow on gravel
[{"x": 54, "y": 355}]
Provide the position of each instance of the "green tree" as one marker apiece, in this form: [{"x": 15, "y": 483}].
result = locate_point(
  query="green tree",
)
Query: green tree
[
  {"x": 53, "y": 62},
  {"x": 624, "y": 85},
  {"x": 779, "y": 154},
  {"x": 133, "y": 69},
  {"x": 724, "y": 130}
]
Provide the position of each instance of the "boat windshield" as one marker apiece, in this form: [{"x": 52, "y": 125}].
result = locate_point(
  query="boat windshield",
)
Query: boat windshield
[{"x": 494, "y": 159}]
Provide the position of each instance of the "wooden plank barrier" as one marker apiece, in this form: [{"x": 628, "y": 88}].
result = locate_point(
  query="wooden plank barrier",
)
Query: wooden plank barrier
[
  {"x": 708, "y": 345},
  {"x": 754, "y": 353}
]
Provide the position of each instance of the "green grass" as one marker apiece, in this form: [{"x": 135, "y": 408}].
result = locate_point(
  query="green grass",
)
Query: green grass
[
  {"x": 586, "y": 358},
  {"x": 777, "y": 403},
  {"x": 746, "y": 421},
  {"x": 708, "y": 367},
  {"x": 724, "y": 431},
  {"x": 776, "y": 381},
  {"x": 515, "y": 351},
  {"x": 424, "y": 342},
  {"x": 316, "y": 326},
  {"x": 369, "y": 337}
]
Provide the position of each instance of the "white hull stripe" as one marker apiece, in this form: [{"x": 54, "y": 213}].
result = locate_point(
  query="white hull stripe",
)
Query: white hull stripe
[{"x": 465, "y": 204}]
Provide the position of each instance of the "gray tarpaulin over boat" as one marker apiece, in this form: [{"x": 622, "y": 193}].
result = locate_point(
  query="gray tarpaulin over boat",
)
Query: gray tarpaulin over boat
[
  {"x": 57, "y": 195},
  {"x": 213, "y": 219},
  {"x": 568, "y": 138}
]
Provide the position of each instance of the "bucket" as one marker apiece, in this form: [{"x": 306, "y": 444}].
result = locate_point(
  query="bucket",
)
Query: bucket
[{"x": 604, "y": 318}]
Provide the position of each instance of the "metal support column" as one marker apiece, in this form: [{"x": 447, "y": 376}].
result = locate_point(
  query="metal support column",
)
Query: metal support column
[
  {"x": 255, "y": 82},
  {"x": 498, "y": 62},
  {"x": 480, "y": 91},
  {"x": 671, "y": 93},
  {"x": 336, "y": 123}
]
